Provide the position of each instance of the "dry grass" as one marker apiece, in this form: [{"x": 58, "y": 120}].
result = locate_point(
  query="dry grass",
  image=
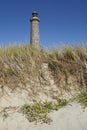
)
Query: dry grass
[
  {"x": 70, "y": 61},
  {"x": 17, "y": 64},
  {"x": 21, "y": 64}
]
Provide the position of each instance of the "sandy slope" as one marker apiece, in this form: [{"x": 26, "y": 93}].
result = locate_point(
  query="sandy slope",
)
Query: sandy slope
[{"x": 71, "y": 117}]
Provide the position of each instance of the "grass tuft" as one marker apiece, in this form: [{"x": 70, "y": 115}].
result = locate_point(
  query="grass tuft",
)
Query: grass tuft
[{"x": 82, "y": 98}]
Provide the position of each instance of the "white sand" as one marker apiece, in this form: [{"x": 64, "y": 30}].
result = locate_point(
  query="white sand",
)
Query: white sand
[{"x": 71, "y": 117}]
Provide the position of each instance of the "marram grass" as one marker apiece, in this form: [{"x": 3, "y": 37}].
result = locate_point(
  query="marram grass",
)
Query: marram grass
[{"x": 24, "y": 64}]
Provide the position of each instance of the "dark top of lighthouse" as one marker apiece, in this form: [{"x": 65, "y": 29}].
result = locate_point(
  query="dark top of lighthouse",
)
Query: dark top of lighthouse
[{"x": 34, "y": 16}]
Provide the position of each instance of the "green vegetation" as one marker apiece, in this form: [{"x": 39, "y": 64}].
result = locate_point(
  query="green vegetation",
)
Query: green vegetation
[
  {"x": 38, "y": 111},
  {"x": 82, "y": 98}
]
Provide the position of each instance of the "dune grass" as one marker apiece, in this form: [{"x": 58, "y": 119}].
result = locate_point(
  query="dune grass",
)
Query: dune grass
[
  {"x": 20, "y": 62},
  {"x": 23, "y": 64},
  {"x": 82, "y": 98}
]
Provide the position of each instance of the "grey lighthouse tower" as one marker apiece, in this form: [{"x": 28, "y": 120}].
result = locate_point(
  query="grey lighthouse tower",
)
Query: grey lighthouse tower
[{"x": 34, "y": 34}]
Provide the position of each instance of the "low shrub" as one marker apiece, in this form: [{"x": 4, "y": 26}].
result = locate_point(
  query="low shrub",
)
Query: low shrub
[{"x": 38, "y": 111}]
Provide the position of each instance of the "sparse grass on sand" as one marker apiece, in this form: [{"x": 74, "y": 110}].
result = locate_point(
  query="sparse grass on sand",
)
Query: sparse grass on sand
[
  {"x": 38, "y": 111},
  {"x": 82, "y": 98}
]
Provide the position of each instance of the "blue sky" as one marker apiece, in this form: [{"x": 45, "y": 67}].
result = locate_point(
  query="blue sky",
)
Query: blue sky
[{"x": 62, "y": 21}]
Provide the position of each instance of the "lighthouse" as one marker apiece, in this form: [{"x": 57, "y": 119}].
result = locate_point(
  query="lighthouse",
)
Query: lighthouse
[{"x": 34, "y": 32}]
